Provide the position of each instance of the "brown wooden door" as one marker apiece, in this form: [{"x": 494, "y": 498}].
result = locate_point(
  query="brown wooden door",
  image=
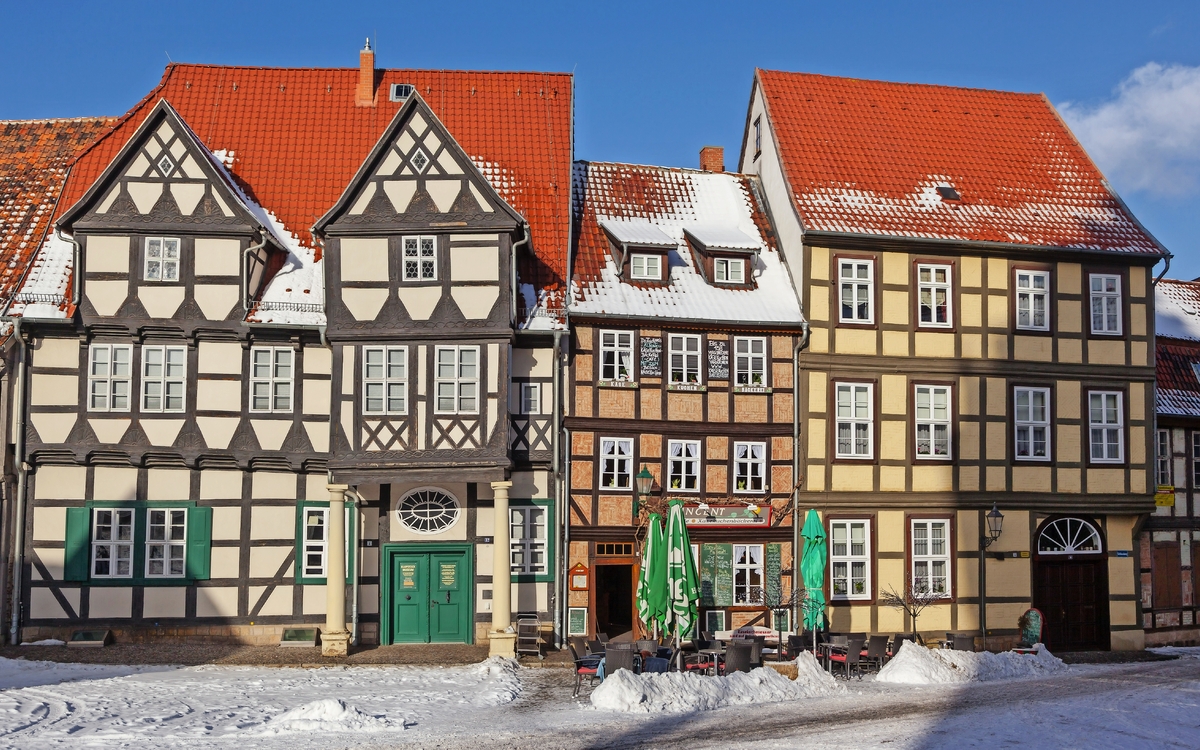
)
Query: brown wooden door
[
  {"x": 1073, "y": 597},
  {"x": 1168, "y": 576}
]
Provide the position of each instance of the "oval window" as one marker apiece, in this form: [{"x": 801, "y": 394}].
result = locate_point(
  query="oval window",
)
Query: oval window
[
  {"x": 427, "y": 511},
  {"x": 1069, "y": 536}
]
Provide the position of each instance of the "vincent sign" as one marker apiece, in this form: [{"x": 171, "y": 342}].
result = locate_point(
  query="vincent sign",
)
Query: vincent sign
[{"x": 727, "y": 515}]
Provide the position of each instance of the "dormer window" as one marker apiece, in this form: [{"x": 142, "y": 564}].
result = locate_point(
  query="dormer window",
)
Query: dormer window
[
  {"x": 645, "y": 266},
  {"x": 724, "y": 253},
  {"x": 729, "y": 270}
]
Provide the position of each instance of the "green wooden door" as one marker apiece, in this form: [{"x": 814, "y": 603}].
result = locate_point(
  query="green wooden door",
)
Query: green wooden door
[
  {"x": 449, "y": 603},
  {"x": 410, "y": 599}
]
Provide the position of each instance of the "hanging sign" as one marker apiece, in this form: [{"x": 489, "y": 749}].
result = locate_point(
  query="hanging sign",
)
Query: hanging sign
[
  {"x": 578, "y": 576},
  {"x": 1164, "y": 496},
  {"x": 724, "y": 516}
]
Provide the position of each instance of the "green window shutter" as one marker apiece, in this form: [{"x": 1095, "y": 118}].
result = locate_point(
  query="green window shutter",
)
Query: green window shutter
[
  {"x": 199, "y": 543},
  {"x": 79, "y": 530}
]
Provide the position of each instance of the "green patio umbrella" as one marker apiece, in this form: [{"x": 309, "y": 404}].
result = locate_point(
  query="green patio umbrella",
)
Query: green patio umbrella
[
  {"x": 812, "y": 569},
  {"x": 652, "y": 580},
  {"x": 683, "y": 585}
]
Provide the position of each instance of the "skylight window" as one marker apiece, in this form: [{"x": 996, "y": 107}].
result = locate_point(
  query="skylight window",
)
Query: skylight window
[
  {"x": 1196, "y": 370},
  {"x": 948, "y": 193},
  {"x": 401, "y": 91}
]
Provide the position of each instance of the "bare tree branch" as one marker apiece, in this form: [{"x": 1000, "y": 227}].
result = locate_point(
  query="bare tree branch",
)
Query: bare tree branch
[{"x": 912, "y": 601}]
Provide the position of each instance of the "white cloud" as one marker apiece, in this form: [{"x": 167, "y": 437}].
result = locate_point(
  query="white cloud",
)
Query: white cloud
[{"x": 1147, "y": 137}]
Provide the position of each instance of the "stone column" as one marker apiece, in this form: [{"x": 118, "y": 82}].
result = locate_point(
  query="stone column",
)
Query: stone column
[
  {"x": 502, "y": 642},
  {"x": 335, "y": 638}
]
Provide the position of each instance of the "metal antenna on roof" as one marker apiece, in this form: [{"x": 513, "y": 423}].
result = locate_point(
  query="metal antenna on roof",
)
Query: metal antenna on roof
[{"x": 168, "y": 54}]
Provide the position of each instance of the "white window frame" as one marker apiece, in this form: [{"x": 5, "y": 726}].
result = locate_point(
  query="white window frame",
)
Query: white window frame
[
  {"x": 168, "y": 543},
  {"x": 1027, "y": 296},
  {"x": 747, "y": 362},
  {"x": 1195, "y": 457},
  {"x": 683, "y": 465},
  {"x": 166, "y": 381},
  {"x": 616, "y": 355},
  {"x": 757, "y": 136},
  {"x": 750, "y": 466},
  {"x": 1111, "y": 424},
  {"x": 646, "y": 261},
  {"x": 167, "y": 246},
  {"x": 747, "y": 592},
  {"x": 114, "y": 545},
  {"x": 1109, "y": 298},
  {"x": 463, "y": 386},
  {"x": 1162, "y": 457},
  {"x": 849, "y": 558},
  {"x": 690, "y": 360},
  {"x": 927, "y": 421},
  {"x": 531, "y": 398},
  {"x": 858, "y": 394},
  {"x": 927, "y": 555},
  {"x": 729, "y": 270},
  {"x": 853, "y": 289},
  {"x": 320, "y": 546},
  {"x": 527, "y": 538},
  {"x": 381, "y": 378},
  {"x": 106, "y": 384},
  {"x": 1028, "y": 423},
  {"x": 280, "y": 388},
  {"x": 934, "y": 288},
  {"x": 421, "y": 251},
  {"x": 616, "y": 463}
]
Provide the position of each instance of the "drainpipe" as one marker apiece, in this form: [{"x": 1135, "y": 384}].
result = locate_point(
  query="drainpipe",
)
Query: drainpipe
[
  {"x": 565, "y": 557},
  {"x": 76, "y": 267},
  {"x": 358, "y": 503},
  {"x": 512, "y": 271},
  {"x": 22, "y": 472},
  {"x": 801, "y": 345},
  {"x": 555, "y": 445},
  {"x": 246, "y": 269},
  {"x": 1166, "y": 268}
]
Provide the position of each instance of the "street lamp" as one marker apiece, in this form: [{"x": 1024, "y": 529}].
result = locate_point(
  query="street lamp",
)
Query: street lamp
[
  {"x": 645, "y": 483},
  {"x": 995, "y": 524}
]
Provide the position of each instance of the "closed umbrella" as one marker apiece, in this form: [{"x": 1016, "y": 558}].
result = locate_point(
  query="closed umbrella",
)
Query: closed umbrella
[
  {"x": 682, "y": 583},
  {"x": 652, "y": 581},
  {"x": 812, "y": 569}
]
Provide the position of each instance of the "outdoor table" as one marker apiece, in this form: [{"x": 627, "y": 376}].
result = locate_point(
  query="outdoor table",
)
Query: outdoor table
[
  {"x": 717, "y": 654},
  {"x": 826, "y": 651}
]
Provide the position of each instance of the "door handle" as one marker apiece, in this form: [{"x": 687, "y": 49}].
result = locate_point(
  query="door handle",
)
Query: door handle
[
  {"x": 432, "y": 603},
  {"x": 447, "y": 597}
]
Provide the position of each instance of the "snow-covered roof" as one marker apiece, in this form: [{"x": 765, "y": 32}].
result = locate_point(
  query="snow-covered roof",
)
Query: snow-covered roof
[
  {"x": 723, "y": 237},
  {"x": 673, "y": 201},
  {"x": 1177, "y": 309},
  {"x": 637, "y": 232}
]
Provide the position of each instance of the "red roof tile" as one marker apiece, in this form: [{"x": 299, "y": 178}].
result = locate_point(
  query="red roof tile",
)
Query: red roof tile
[
  {"x": 297, "y": 138},
  {"x": 33, "y": 165},
  {"x": 867, "y": 157}
]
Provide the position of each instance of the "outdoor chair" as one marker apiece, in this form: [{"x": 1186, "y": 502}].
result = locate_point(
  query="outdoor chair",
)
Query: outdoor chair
[
  {"x": 961, "y": 641},
  {"x": 796, "y": 644},
  {"x": 585, "y": 666},
  {"x": 876, "y": 653},
  {"x": 898, "y": 641},
  {"x": 595, "y": 647},
  {"x": 756, "y": 642},
  {"x": 580, "y": 644},
  {"x": 851, "y": 657},
  {"x": 647, "y": 647},
  {"x": 602, "y": 637},
  {"x": 738, "y": 656},
  {"x": 621, "y": 656}
]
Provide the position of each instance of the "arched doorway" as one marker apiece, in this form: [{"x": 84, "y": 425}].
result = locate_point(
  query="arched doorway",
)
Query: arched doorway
[{"x": 1070, "y": 584}]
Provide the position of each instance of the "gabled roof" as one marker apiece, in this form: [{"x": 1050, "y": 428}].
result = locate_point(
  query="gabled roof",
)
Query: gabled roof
[
  {"x": 867, "y": 157},
  {"x": 34, "y": 155},
  {"x": 1177, "y": 310},
  {"x": 672, "y": 201},
  {"x": 293, "y": 138},
  {"x": 1177, "y": 347}
]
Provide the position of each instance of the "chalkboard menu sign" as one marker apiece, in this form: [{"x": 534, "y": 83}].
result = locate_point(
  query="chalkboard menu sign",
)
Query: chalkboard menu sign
[
  {"x": 718, "y": 360},
  {"x": 716, "y": 575},
  {"x": 651, "y": 360},
  {"x": 577, "y": 621},
  {"x": 773, "y": 567}
]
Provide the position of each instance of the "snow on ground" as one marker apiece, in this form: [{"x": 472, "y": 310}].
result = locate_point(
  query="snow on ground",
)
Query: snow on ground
[
  {"x": 1183, "y": 652},
  {"x": 917, "y": 665},
  {"x": 681, "y": 692}
]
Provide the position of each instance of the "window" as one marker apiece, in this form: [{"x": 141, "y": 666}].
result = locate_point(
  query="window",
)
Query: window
[
  {"x": 750, "y": 361},
  {"x": 271, "y": 378},
  {"x": 1033, "y": 294},
  {"x": 616, "y": 463},
  {"x": 646, "y": 266},
  {"x": 749, "y": 466},
  {"x": 855, "y": 421},
  {"x": 316, "y": 537},
  {"x": 849, "y": 559},
  {"x": 527, "y": 540},
  {"x": 1106, "y": 304},
  {"x": 1032, "y": 423},
  {"x": 757, "y": 136},
  {"x": 616, "y": 355},
  {"x": 458, "y": 380},
  {"x": 730, "y": 270},
  {"x": 683, "y": 465},
  {"x": 166, "y": 542},
  {"x": 109, "y": 377},
  {"x": 385, "y": 379},
  {"x": 857, "y": 291},
  {"x": 420, "y": 259},
  {"x": 112, "y": 543},
  {"x": 1164, "y": 460},
  {"x": 162, "y": 259},
  {"x": 685, "y": 359},
  {"x": 747, "y": 574},
  {"x": 428, "y": 511},
  {"x": 164, "y": 372},
  {"x": 1162, "y": 456},
  {"x": 933, "y": 291},
  {"x": 1105, "y": 418},
  {"x": 931, "y": 557},
  {"x": 531, "y": 398},
  {"x": 933, "y": 421}
]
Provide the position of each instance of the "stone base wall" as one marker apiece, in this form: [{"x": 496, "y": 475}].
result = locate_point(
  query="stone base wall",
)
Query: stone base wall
[
  {"x": 244, "y": 635},
  {"x": 1179, "y": 637}
]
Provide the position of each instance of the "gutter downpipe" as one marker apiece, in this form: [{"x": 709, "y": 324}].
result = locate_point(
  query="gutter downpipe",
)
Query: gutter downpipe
[
  {"x": 556, "y": 467},
  {"x": 797, "y": 550},
  {"x": 246, "y": 269},
  {"x": 512, "y": 272},
  {"x": 22, "y": 473},
  {"x": 75, "y": 264},
  {"x": 1166, "y": 268},
  {"x": 358, "y": 503}
]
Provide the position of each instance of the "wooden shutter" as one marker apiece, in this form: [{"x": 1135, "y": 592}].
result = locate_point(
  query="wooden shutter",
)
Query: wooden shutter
[
  {"x": 79, "y": 531},
  {"x": 1168, "y": 586},
  {"x": 199, "y": 543}
]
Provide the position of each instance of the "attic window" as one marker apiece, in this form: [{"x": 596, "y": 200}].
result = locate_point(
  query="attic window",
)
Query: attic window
[
  {"x": 729, "y": 270},
  {"x": 400, "y": 91},
  {"x": 166, "y": 166},
  {"x": 948, "y": 193},
  {"x": 646, "y": 266},
  {"x": 1196, "y": 370},
  {"x": 420, "y": 161}
]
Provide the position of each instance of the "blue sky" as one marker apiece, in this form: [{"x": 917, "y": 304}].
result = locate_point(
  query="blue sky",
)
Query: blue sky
[{"x": 655, "y": 81}]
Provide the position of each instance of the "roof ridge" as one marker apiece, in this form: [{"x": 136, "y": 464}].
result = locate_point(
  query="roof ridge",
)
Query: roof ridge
[
  {"x": 354, "y": 69},
  {"x": 689, "y": 170},
  {"x": 913, "y": 84},
  {"x": 83, "y": 118}
]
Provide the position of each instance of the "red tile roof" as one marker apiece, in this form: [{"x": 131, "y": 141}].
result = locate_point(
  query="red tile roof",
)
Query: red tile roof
[
  {"x": 33, "y": 165},
  {"x": 297, "y": 138},
  {"x": 1178, "y": 387},
  {"x": 867, "y": 157}
]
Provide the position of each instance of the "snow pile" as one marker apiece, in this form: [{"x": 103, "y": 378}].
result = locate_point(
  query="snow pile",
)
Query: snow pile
[
  {"x": 500, "y": 681},
  {"x": 328, "y": 715},
  {"x": 917, "y": 665},
  {"x": 45, "y": 642},
  {"x": 1181, "y": 652},
  {"x": 680, "y": 692}
]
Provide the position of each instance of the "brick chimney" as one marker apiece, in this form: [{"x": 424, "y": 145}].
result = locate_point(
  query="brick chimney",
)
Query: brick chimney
[
  {"x": 364, "y": 95},
  {"x": 712, "y": 159}
]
